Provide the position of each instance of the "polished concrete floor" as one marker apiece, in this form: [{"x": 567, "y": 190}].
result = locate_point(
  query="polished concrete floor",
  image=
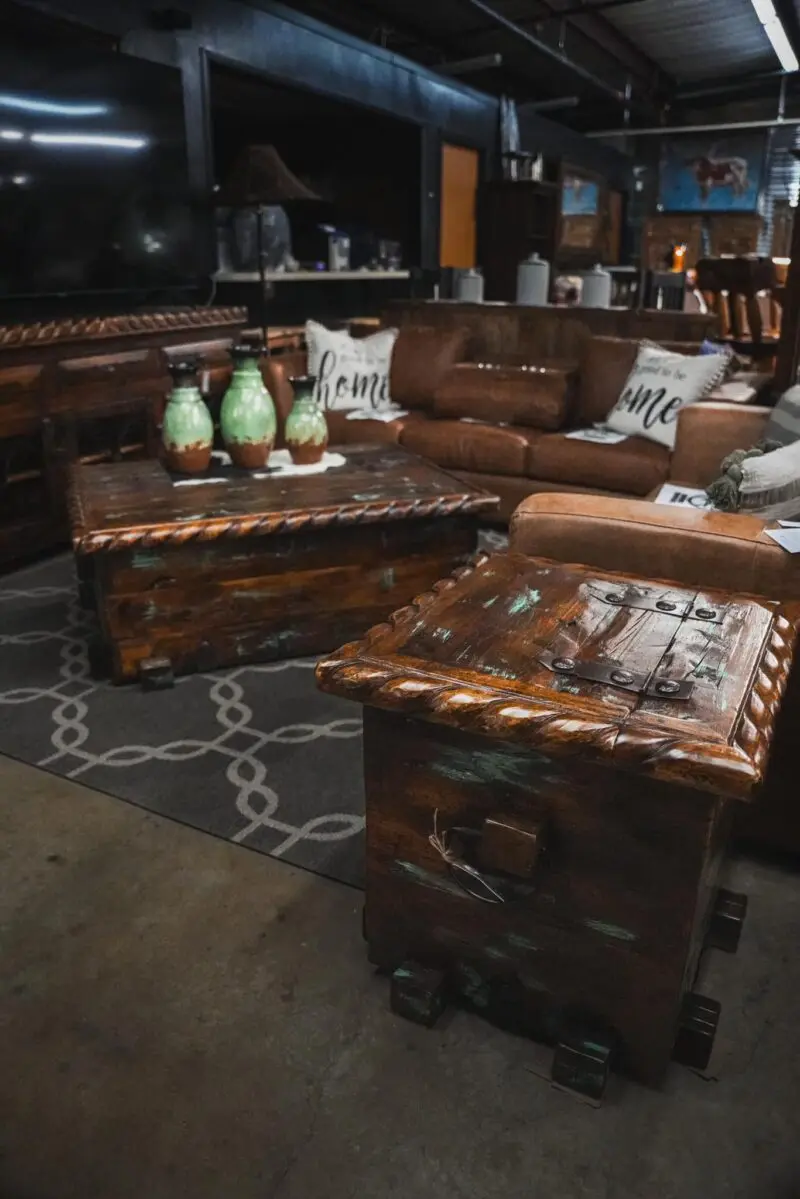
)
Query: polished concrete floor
[{"x": 181, "y": 1019}]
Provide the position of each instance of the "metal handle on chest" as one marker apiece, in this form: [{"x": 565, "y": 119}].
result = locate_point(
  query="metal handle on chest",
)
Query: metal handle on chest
[{"x": 497, "y": 863}]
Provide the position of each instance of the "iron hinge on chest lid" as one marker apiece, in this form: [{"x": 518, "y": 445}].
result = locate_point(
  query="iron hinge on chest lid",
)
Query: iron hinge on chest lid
[
  {"x": 617, "y": 676},
  {"x": 692, "y": 609}
]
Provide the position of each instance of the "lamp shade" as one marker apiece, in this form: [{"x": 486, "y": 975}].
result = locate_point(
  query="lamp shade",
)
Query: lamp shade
[{"x": 260, "y": 176}]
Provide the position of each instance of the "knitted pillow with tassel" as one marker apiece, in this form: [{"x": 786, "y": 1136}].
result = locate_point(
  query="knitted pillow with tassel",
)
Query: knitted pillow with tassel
[{"x": 764, "y": 482}]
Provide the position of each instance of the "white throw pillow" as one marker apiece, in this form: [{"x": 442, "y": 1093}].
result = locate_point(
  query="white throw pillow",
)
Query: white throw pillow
[
  {"x": 351, "y": 372},
  {"x": 660, "y": 384}
]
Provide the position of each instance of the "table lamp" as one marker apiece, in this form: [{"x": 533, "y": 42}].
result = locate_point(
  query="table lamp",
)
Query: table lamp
[{"x": 261, "y": 178}]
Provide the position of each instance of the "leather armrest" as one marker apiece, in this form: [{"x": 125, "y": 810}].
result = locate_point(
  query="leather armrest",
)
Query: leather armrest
[
  {"x": 694, "y": 549},
  {"x": 707, "y": 433}
]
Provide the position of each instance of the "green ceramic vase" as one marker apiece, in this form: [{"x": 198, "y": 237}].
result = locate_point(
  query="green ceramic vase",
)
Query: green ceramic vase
[
  {"x": 247, "y": 416},
  {"x": 306, "y": 426},
  {"x": 188, "y": 430}
]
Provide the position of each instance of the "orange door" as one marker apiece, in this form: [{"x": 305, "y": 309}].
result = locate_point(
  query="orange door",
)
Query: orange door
[{"x": 457, "y": 237}]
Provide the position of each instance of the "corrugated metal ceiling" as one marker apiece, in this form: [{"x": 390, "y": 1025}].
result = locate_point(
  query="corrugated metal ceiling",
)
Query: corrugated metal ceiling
[{"x": 697, "y": 39}]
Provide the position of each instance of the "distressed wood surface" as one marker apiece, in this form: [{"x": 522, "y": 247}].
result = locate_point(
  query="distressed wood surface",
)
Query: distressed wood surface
[
  {"x": 550, "y": 846},
  {"x": 136, "y": 504},
  {"x": 96, "y": 328},
  {"x": 611, "y": 919},
  {"x": 326, "y": 557},
  {"x": 470, "y": 654}
]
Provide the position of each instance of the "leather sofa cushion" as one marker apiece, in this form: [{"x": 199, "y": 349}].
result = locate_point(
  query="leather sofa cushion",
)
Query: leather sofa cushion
[
  {"x": 421, "y": 359},
  {"x": 342, "y": 431},
  {"x": 535, "y": 395},
  {"x": 279, "y": 369},
  {"x": 606, "y": 364},
  {"x": 467, "y": 446},
  {"x": 634, "y": 466}
]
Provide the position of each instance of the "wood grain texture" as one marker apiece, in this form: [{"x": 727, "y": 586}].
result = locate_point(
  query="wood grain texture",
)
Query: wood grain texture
[
  {"x": 502, "y": 330},
  {"x": 89, "y": 390},
  {"x": 546, "y": 842},
  {"x": 436, "y": 658},
  {"x": 289, "y": 569},
  {"x": 129, "y": 325},
  {"x": 379, "y": 484},
  {"x": 608, "y": 925}
]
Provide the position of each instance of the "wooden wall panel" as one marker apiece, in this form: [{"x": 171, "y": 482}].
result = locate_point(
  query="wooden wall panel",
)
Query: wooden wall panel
[{"x": 458, "y": 237}]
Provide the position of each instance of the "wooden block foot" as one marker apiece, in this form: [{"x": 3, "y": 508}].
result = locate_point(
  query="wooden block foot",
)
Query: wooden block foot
[
  {"x": 86, "y": 594},
  {"x": 99, "y": 657},
  {"x": 582, "y": 1060},
  {"x": 418, "y": 993},
  {"x": 696, "y": 1031},
  {"x": 727, "y": 921},
  {"x": 155, "y": 674}
]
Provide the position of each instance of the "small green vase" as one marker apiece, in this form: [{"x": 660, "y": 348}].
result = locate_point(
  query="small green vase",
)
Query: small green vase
[
  {"x": 188, "y": 430},
  {"x": 247, "y": 416},
  {"x": 306, "y": 426}
]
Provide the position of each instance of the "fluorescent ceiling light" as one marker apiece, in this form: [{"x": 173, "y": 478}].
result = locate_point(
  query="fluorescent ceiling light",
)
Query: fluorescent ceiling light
[
  {"x": 765, "y": 11},
  {"x": 89, "y": 139},
  {"x": 28, "y": 104},
  {"x": 11, "y": 135}
]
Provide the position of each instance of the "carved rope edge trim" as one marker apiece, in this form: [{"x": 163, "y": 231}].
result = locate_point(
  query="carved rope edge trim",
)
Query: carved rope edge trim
[
  {"x": 294, "y": 521},
  {"x": 734, "y": 768},
  {"x": 46, "y": 332}
]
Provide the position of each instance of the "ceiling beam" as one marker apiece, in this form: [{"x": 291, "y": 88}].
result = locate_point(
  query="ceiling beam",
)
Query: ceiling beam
[
  {"x": 612, "y": 41},
  {"x": 464, "y": 66},
  {"x": 788, "y": 17},
  {"x": 544, "y": 48},
  {"x": 609, "y": 40},
  {"x": 587, "y": 8}
]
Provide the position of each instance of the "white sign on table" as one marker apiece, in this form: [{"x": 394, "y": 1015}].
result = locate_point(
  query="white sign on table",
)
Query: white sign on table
[{"x": 683, "y": 497}]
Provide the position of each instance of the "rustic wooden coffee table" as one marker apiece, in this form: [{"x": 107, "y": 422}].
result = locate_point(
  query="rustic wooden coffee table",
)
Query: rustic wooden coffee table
[
  {"x": 194, "y": 577},
  {"x": 551, "y": 755}
]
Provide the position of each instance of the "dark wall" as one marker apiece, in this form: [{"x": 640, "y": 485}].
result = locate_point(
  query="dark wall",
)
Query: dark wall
[
  {"x": 290, "y": 48},
  {"x": 364, "y": 164},
  {"x": 540, "y": 136}
]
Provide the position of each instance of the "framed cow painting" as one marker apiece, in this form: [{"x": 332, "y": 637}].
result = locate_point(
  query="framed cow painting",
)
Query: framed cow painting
[{"x": 707, "y": 174}]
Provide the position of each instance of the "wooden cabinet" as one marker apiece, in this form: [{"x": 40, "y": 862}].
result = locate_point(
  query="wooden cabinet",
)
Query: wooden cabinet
[
  {"x": 516, "y": 219},
  {"x": 661, "y": 233},
  {"x": 88, "y": 390}
]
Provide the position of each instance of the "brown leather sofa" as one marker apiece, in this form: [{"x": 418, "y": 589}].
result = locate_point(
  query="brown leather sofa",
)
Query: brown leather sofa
[
  {"x": 504, "y": 425},
  {"x": 693, "y": 549}
]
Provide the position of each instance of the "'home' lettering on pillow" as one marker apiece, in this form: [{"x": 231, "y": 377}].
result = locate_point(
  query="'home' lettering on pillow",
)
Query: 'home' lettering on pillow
[
  {"x": 649, "y": 404},
  {"x": 331, "y": 390}
]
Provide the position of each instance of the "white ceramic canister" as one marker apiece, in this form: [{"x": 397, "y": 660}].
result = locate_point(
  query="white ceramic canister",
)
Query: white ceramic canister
[
  {"x": 596, "y": 292},
  {"x": 469, "y": 286},
  {"x": 533, "y": 281}
]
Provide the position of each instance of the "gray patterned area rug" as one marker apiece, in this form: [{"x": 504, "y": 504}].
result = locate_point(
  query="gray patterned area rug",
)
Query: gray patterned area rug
[{"x": 255, "y": 754}]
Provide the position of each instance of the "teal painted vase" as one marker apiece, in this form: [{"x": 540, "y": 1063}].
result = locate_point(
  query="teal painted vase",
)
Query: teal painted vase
[
  {"x": 306, "y": 426},
  {"x": 247, "y": 416},
  {"x": 188, "y": 430}
]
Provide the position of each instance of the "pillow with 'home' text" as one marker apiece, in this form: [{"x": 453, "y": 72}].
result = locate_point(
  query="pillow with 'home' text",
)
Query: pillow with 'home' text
[
  {"x": 351, "y": 372},
  {"x": 660, "y": 384}
]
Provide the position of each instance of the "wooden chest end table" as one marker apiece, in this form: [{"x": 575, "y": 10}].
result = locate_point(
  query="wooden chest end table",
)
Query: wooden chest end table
[
  {"x": 551, "y": 756},
  {"x": 214, "y": 574}
]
